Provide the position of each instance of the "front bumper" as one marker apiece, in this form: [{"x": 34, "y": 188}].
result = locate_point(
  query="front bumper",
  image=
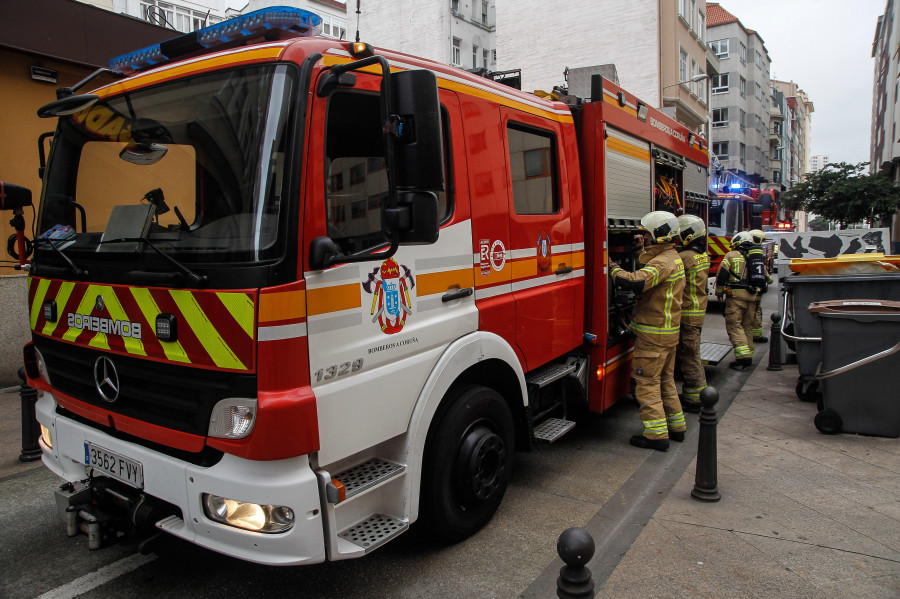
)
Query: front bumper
[{"x": 290, "y": 482}]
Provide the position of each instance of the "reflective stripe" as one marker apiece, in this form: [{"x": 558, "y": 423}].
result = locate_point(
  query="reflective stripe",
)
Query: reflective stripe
[
  {"x": 743, "y": 351},
  {"x": 656, "y": 427},
  {"x": 207, "y": 335},
  {"x": 646, "y": 328},
  {"x": 692, "y": 394},
  {"x": 173, "y": 349},
  {"x": 676, "y": 420}
]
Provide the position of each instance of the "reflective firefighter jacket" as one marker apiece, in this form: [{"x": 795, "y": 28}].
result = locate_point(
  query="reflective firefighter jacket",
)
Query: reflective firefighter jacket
[
  {"x": 660, "y": 285},
  {"x": 696, "y": 273},
  {"x": 731, "y": 278}
]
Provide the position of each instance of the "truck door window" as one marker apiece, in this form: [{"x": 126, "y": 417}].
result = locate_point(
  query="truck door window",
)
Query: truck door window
[
  {"x": 356, "y": 185},
  {"x": 532, "y": 160}
]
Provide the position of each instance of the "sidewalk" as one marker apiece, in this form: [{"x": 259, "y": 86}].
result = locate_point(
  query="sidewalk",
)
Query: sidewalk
[{"x": 802, "y": 514}]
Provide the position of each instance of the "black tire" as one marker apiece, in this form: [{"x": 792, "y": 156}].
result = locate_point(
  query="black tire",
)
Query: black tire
[
  {"x": 828, "y": 422},
  {"x": 468, "y": 460},
  {"x": 808, "y": 390}
]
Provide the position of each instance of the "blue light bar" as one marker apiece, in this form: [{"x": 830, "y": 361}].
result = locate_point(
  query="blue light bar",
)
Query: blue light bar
[{"x": 294, "y": 21}]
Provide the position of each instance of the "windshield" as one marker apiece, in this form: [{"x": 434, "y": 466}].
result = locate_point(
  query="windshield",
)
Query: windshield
[
  {"x": 724, "y": 217},
  {"x": 195, "y": 166}
]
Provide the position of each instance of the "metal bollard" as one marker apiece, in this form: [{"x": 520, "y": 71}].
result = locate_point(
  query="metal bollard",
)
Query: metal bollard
[
  {"x": 775, "y": 357},
  {"x": 706, "y": 487},
  {"x": 576, "y": 548},
  {"x": 30, "y": 429}
]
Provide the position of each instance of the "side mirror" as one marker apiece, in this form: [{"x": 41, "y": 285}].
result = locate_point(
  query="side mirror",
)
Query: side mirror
[
  {"x": 321, "y": 251},
  {"x": 756, "y": 222},
  {"x": 143, "y": 154},
  {"x": 418, "y": 150},
  {"x": 67, "y": 105},
  {"x": 415, "y": 219},
  {"x": 757, "y": 209},
  {"x": 14, "y": 197}
]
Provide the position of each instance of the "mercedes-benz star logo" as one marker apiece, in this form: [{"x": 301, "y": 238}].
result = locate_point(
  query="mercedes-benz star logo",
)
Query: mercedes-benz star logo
[{"x": 106, "y": 379}]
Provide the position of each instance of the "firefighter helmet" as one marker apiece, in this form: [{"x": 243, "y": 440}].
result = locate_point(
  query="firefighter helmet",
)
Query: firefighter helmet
[
  {"x": 758, "y": 235},
  {"x": 690, "y": 228},
  {"x": 662, "y": 225},
  {"x": 740, "y": 239}
]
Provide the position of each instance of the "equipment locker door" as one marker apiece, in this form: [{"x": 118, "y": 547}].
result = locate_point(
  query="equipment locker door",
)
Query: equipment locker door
[
  {"x": 541, "y": 253},
  {"x": 629, "y": 180}
]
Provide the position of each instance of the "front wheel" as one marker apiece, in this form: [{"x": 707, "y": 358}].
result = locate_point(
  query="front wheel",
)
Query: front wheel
[{"x": 467, "y": 464}]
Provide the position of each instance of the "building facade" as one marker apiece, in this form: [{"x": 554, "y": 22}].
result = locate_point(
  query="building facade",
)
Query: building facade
[
  {"x": 656, "y": 47},
  {"x": 779, "y": 140},
  {"x": 885, "y": 140},
  {"x": 800, "y": 123},
  {"x": 457, "y": 32},
  {"x": 739, "y": 101},
  {"x": 817, "y": 162}
]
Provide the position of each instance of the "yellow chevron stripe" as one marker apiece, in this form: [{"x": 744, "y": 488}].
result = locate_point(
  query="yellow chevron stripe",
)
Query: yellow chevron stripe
[
  {"x": 207, "y": 335},
  {"x": 173, "y": 349},
  {"x": 65, "y": 290},
  {"x": 38, "y": 302},
  {"x": 241, "y": 308}
]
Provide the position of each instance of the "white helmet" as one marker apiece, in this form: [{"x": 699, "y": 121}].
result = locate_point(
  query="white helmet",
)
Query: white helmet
[
  {"x": 758, "y": 235},
  {"x": 690, "y": 227},
  {"x": 740, "y": 239},
  {"x": 662, "y": 225}
]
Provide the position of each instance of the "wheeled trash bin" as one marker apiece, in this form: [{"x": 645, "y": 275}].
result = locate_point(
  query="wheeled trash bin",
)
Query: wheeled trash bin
[{"x": 860, "y": 361}]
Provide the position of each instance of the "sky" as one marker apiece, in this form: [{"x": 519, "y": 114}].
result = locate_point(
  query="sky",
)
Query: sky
[{"x": 825, "y": 46}]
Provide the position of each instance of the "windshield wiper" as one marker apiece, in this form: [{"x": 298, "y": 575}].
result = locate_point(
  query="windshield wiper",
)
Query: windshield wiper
[
  {"x": 197, "y": 280},
  {"x": 76, "y": 270}
]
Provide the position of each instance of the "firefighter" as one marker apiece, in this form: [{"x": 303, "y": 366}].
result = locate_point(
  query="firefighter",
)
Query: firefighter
[
  {"x": 758, "y": 236},
  {"x": 655, "y": 323},
  {"x": 740, "y": 300},
  {"x": 692, "y": 232}
]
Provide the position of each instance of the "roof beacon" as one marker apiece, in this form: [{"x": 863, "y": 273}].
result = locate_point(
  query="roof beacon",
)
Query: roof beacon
[{"x": 291, "y": 21}]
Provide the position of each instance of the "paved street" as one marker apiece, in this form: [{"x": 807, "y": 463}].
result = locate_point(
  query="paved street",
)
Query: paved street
[{"x": 802, "y": 515}]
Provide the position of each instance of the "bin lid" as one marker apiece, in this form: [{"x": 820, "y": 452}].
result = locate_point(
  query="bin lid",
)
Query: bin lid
[
  {"x": 846, "y": 263},
  {"x": 855, "y": 306}
]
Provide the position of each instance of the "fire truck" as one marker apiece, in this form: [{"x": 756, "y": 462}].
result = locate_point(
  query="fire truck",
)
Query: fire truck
[{"x": 291, "y": 294}]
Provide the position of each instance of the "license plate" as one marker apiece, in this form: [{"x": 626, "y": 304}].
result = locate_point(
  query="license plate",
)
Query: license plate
[{"x": 113, "y": 464}]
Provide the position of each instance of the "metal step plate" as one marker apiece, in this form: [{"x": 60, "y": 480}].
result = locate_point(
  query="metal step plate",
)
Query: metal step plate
[
  {"x": 367, "y": 475},
  {"x": 543, "y": 376},
  {"x": 713, "y": 353},
  {"x": 374, "y": 532},
  {"x": 552, "y": 429}
]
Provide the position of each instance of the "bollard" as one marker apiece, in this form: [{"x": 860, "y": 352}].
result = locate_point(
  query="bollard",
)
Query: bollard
[
  {"x": 30, "y": 429},
  {"x": 775, "y": 357},
  {"x": 576, "y": 548},
  {"x": 706, "y": 487}
]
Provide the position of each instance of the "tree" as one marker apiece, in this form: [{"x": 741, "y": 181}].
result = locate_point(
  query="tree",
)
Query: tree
[
  {"x": 818, "y": 224},
  {"x": 844, "y": 193}
]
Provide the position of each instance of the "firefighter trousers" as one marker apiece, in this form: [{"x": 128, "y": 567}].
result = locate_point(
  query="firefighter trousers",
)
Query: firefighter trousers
[
  {"x": 690, "y": 363},
  {"x": 653, "y": 369},
  {"x": 739, "y": 315},
  {"x": 757, "y": 319}
]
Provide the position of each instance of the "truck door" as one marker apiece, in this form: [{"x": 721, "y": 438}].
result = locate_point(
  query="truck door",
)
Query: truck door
[
  {"x": 543, "y": 281},
  {"x": 376, "y": 328}
]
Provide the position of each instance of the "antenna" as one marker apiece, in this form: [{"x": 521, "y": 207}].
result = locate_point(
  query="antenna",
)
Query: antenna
[{"x": 357, "y": 20}]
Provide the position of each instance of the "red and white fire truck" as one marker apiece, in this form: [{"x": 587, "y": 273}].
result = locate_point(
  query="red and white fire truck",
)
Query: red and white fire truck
[{"x": 290, "y": 293}]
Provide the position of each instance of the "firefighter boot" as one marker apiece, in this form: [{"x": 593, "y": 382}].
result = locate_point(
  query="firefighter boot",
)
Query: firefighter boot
[
  {"x": 690, "y": 406},
  {"x": 645, "y": 443},
  {"x": 677, "y": 436},
  {"x": 741, "y": 364},
  {"x": 760, "y": 339}
]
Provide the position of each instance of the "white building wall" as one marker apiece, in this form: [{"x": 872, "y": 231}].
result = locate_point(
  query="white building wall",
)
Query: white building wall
[
  {"x": 418, "y": 27},
  {"x": 597, "y": 32}
]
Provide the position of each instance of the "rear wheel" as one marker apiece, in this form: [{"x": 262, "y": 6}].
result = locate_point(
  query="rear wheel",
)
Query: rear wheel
[
  {"x": 467, "y": 463},
  {"x": 828, "y": 422},
  {"x": 807, "y": 390}
]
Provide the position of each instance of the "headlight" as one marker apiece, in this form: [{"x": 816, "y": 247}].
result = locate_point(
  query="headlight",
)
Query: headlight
[
  {"x": 232, "y": 418},
  {"x": 41, "y": 366},
  {"x": 249, "y": 516}
]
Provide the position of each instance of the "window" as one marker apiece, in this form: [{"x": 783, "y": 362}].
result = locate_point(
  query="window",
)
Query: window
[
  {"x": 454, "y": 6},
  {"x": 743, "y": 119},
  {"x": 719, "y": 48},
  {"x": 743, "y": 153},
  {"x": 484, "y": 57},
  {"x": 701, "y": 26},
  {"x": 456, "y": 56},
  {"x": 776, "y": 176},
  {"x": 759, "y": 60},
  {"x": 720, "y": 84},
  {"x": 743, "y": 87},
  {"x": 474, "y": 56},
  {"x": 720, "y": 117},
  {"x": 743, "y": 53},
  {"x": 695, "y": 70},
  {"x": 334, "y": 27},
  {"x": 759, "y": 93},
  {"x": 356, "y": 178},
  {"x": 484, "y": 13},
  {"x": 683, "y": 66},
  {"x": 701, "y": 89},
  {"x": 683, "y": 9},
  {"x": 692, "y": 13},
  {"x": 532, "y": 160},
  {"x": 720, "y": 149}
]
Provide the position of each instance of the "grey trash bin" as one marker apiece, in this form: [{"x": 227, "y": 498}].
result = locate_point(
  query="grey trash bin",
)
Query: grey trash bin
[
  {"x": 803, "y": 290},
  {"x": 860, "y": 362}
]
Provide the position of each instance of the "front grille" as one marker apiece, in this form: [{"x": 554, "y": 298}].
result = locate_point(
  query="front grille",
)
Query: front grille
[{"x": 175, "y": 397}]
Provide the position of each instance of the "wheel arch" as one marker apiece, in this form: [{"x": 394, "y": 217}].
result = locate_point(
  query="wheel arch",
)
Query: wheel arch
[{"x": 477, "y": 359}]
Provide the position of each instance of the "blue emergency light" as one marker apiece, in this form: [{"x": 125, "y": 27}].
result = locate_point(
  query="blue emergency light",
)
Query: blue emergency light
[{"x": 291, "y": 20}]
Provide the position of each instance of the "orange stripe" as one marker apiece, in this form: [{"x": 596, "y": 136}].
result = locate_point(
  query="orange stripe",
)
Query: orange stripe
[
  {"x": 623, "y": 147},
  {"x": 615, "y": 103},
  {"x": 288, "y": 305},
  {"x": 440, "y": 282},
  {"x": 332, "y": 299},
  {"x": 524, "y": 268},
  {"x": 492, "y": 277},
  {"x": 578, "y": 260}
]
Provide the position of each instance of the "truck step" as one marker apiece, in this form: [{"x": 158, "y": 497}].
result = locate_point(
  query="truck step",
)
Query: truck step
[
  {"x": 543, "y": 376},
  {"x": 713, "y": 353},
  {"x": 552, "y": 429},
  {"x": 364, "y": 476},
  {"x": 374, "y": 531}
]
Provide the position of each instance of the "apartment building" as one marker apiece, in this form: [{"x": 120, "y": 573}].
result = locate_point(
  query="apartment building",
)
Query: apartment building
[
  {"x": 817, "y": 162},
  {"x": 800, "y": 123},
  {"x": 740, "y": 100},
  {"x": 885, "y": 149}
]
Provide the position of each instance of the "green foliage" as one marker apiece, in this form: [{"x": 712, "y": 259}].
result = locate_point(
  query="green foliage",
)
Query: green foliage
[
  {"x": 818, "y": 224},
  {"x": 844, "y": 193}
]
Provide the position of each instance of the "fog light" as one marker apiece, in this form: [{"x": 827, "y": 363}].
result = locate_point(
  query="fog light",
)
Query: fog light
[
  {"x": 248, "y": 516},
  {"x": 232, "y": 418},
  {"x": 45, "y": 437}
]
